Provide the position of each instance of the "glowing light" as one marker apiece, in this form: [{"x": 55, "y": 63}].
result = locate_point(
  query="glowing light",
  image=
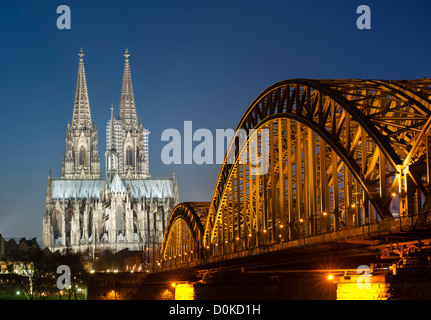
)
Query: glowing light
[
  {"x": 353, "y": 205},
  {"x": 249, "y": 234},
  {"x": 281, "y": 226},
  {"x": 330, "y": 277},
  {"x": 237, "y": 238},
  {"x": 264, "y": 230},
  {"x": 324, "y": 213},
  {"x": 184, "y": 291},
  {"x": 301, "y": 220},
  {"x": 351, "y": 291},
  {"x": 173, "y": 284},
  {"x": 393, "y": 194}
]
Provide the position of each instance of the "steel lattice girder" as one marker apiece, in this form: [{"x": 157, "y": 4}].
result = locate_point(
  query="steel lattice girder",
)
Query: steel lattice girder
[
  {"x": 193, "y": 215},
  {"x": 365, "y": 135}
]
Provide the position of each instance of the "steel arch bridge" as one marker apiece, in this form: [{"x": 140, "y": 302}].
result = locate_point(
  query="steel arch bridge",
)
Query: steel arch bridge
[{"x": 312, "y": 158}]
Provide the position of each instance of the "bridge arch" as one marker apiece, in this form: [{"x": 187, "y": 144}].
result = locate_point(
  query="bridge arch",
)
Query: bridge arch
[
  {"x": 341, "y": 154},
  {"x": 370, "y": 127},
  {"x": 182, "y": 240}
]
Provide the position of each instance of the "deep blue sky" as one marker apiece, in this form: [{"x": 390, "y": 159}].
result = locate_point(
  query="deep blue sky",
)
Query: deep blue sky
[{"x": 200, "y": 60}]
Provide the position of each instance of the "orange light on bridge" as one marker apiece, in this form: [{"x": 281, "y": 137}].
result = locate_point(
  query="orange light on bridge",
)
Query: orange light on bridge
[
  {"x": 393, "y": 194},
  {"x": 281, "y": 226},
  {"x": 324, "y": 213},
  {"x": 330, "y": 277}
]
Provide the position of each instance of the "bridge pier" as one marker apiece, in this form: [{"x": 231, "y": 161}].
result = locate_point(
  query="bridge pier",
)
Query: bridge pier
[
  {"x": 408, "y": 283},
  {"x": 363, "y": 287}
]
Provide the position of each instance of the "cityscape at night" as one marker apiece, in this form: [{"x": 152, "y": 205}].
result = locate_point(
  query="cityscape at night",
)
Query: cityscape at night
[{"x": 205, "y": 151}]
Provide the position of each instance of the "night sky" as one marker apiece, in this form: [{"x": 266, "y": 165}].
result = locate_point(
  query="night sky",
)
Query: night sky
[{"x": 203, "y": 61}]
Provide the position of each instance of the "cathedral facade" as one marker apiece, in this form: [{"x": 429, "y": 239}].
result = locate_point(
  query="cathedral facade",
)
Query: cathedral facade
[{"x": 126, "y": 209}]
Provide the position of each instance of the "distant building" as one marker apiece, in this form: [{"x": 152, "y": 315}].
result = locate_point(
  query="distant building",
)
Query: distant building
[
  {"x": 126, "y": 209},
  {"x": 11, "y": 249}
]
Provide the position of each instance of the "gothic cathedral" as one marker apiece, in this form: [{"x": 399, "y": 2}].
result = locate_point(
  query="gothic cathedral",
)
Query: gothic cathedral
[{"x": 127, "y": 209}]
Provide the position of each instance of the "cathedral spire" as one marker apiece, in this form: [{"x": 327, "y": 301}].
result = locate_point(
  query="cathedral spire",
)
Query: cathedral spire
[
  {"x": 127, "y": 111},
  {"x": 81, "y": 108},
  {"x": 81, "y": 159}
]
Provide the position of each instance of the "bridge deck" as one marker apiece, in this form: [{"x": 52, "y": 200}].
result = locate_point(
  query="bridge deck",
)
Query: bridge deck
[{"x": 359, "y": 241}]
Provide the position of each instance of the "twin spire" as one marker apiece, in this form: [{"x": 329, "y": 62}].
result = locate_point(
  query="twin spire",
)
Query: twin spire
[
  {"x": 81, "y": 108},
  {"x": 127, "y": 111}
]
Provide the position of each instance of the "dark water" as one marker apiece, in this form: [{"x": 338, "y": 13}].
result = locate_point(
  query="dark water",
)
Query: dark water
[
  {"x": 239, "y": 286},
  {"x": 180, "y": 285}
]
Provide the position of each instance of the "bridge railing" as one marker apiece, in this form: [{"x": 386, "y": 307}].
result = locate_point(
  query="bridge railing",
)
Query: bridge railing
[{"x": 384, "y": 227}]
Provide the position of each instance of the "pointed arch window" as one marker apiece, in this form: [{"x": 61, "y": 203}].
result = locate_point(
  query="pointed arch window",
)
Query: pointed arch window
[
  {"x": 112, "y": 164},
  {"x": 56, "y": 219},
  {"x": 119, "y": 216},
  {"x": 73, "y": 158},
  {"x": 82, "y": 156},
  {"x": 129, "y": 156}
]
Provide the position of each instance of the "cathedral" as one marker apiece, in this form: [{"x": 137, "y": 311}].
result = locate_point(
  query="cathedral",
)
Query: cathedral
[{"x": 126, "y": 209}]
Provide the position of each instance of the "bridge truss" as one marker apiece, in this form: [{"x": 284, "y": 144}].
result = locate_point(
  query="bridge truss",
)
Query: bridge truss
[{"x": 339, "y": 154}]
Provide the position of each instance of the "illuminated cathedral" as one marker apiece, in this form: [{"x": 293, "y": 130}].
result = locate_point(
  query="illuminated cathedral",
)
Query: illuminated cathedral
[{"x": 126, "y": 209}]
